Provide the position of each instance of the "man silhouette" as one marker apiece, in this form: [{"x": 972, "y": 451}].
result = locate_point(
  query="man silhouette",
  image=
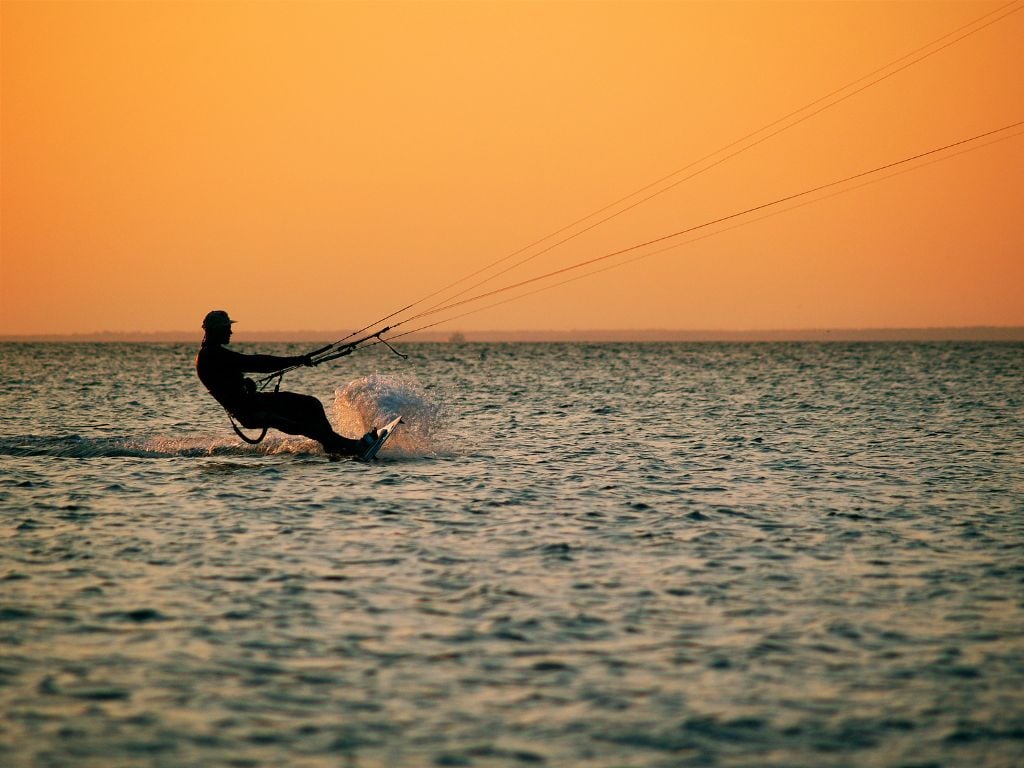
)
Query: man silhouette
[{"x": 221, "y": 370}]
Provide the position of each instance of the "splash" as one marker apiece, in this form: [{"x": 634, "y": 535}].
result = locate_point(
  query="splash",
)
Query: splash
[
  {"x": 372, "y": 401},
  {"x": 197, "y": 446},
  {"x": 275, "y": 444}
]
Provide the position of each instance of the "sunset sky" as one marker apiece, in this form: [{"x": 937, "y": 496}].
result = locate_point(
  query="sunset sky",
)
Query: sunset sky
[{"x": 318, "y": 165}]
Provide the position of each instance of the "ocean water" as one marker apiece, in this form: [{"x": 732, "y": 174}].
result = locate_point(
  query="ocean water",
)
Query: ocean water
[{"x": 573, "y": 555}]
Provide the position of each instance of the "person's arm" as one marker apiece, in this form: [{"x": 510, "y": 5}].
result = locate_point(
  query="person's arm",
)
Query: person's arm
[{"x": 264, "y": 363}]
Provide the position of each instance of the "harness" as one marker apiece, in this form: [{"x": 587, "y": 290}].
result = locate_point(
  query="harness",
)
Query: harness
[
  {"x": 245, "y": 437},
  {"x": 251, "y": 389}
]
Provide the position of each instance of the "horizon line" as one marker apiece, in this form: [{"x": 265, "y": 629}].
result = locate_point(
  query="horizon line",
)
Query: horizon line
[{"x": 882, "y": 333}]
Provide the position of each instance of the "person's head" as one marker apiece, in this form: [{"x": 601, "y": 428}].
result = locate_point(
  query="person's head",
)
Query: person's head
[{"x": 217, "y": 325}]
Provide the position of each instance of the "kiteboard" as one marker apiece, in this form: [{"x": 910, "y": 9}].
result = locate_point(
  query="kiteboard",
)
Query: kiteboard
[{"x": 382, "y": 437}]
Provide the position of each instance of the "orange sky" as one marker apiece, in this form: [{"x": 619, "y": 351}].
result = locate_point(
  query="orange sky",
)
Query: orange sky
[{"x": 315, "y": 166}]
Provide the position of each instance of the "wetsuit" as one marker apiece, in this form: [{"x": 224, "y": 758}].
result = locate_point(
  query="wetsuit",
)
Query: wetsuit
[{"x": 221, "y": 371}]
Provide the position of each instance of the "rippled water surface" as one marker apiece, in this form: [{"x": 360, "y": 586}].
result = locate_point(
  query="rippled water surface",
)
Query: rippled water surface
[{"x": 574, "y": 555}]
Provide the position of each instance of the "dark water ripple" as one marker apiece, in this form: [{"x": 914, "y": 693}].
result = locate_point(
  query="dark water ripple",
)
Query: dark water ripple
[{"x": 601, "y": 555}]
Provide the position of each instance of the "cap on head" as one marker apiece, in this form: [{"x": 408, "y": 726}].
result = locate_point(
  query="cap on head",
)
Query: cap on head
[{"x": 217, "y": 319}]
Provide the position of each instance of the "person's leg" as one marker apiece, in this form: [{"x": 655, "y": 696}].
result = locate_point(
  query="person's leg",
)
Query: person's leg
[{"x": 297, "y": 414}]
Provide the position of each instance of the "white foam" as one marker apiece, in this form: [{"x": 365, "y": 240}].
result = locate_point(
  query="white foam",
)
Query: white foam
[
  {"x": 76, "y": 446},
  {"x": 274, "y": 444}
]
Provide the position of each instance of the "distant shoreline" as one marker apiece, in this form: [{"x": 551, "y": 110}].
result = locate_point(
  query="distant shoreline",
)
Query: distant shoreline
[{"x": 972, "y": 333}]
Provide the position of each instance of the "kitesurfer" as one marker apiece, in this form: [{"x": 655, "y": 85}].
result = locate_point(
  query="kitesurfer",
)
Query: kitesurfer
[{"x": 221, "y": 370}]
